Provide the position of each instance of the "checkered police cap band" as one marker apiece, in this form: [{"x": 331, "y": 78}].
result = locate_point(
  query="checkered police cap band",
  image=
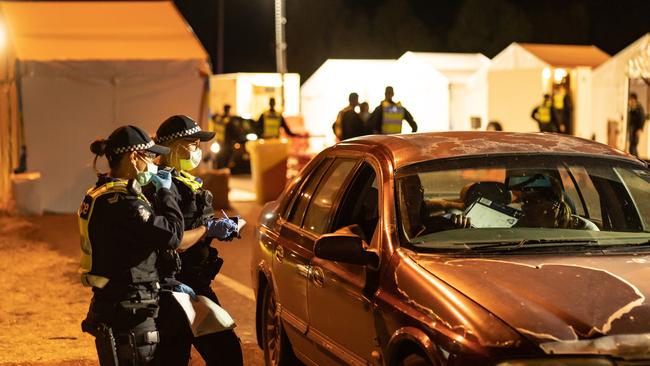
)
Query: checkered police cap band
[
  {"x": 124, "y": 149},
  {"x": 178, "y": 134}
]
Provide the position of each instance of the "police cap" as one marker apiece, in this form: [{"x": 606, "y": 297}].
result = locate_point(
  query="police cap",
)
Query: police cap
[{"x": 181, "y": 127}]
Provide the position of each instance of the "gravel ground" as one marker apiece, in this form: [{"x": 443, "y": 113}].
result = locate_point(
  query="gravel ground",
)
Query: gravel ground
[{"x": 43, "y": 302}]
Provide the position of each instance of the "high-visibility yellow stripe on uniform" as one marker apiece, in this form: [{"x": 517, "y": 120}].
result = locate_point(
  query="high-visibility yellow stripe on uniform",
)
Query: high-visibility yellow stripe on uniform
[
  {"x": 84, "y": 214},
  {"x": 189, "y": 180},
  {"x": 272, "y": 123},
  {"x": 392, "y": 116}
]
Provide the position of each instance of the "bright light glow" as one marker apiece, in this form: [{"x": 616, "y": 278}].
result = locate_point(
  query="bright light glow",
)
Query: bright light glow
[
  {"x": 559, "y": 75},
  {"x": 246, "y": 116},
  {"x": 546, "y": 73},
  {"x": 251, "y": 137},
  {"x": 215, "y": 147},
  {"x": 3, "y": 36}
]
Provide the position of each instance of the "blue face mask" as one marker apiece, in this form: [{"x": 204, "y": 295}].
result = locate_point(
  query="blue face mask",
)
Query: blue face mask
[{"x": 144, "y": 177}]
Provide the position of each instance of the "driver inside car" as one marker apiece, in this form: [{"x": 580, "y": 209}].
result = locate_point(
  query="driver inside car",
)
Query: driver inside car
[
  {"x": 543, "y": 204},
  {"x": 419, "y": 220}
]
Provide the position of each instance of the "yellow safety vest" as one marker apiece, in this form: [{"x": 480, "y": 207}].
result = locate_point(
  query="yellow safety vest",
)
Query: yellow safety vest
[
  {"x": 558, "y": 100},
  {"x": 189, "y": 180},
  {"x": 392, "y": 116},
  {"x": 218, "y": 125},
  {"x": 84, "y": 214},
  {"x": 272, "y": 122},
  {"x": 544, "y": 112}
]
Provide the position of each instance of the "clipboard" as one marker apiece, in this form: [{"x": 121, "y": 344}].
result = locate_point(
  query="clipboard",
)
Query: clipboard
[{"x": 484, "y": 213}]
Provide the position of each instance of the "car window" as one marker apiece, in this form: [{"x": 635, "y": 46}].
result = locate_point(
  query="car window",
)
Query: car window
[
  {"x": 319, "y": 213},
  {"x": 637, "y": 183},
  {"x": 359, "y": 210},
  {"x": 304, "y": 193},
  {"x": 582, "y": 194},
  {"x": 518, "y": 198}
]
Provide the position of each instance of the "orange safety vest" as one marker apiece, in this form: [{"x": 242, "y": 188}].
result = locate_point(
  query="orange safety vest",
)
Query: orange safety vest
[{"x": 392, "y": 116}]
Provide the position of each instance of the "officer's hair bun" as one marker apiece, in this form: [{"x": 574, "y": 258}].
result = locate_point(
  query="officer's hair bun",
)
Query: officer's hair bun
[{"x": 98, "y": 147}]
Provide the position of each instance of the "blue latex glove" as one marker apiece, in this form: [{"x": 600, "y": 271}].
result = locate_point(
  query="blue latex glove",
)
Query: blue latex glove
[
  {"x": 181, "y": 287},
  {"x": 222, "y": 229},
  {"x": 162, "y": 179}
]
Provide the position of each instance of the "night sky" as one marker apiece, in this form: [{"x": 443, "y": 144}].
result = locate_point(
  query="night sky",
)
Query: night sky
[{"x": 322, "y": 29}]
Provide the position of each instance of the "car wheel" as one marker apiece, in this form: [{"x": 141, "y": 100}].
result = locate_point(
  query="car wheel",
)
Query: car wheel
[
  {"x": 414, "y": 359},
  {"x": 277, "y": 349}
]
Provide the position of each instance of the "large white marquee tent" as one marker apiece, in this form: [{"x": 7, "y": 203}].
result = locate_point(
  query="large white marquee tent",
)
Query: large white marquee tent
[
  {"x": 627, "y": 71},
  {"x": 80, "y": 69},
  {"x": 521, "y": 73},
  {"x": 442, "y": 91}
]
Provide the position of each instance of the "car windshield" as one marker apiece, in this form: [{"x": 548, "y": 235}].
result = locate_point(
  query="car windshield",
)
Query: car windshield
[{"x": 505, "y": 201}]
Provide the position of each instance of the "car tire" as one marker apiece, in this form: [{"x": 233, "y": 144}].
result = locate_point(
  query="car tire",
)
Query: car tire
[
  {"x": 277, "y": 349},
  {"x": 414, "y": 359}
]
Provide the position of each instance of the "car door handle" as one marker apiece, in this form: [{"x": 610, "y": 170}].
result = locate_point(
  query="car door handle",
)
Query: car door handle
[
  {"x": 317, "y": 276},
  {"x": 279, "y": 253}
]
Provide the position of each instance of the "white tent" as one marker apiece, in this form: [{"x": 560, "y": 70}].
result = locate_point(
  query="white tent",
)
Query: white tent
[
  {"x": 84, "y": 68},
  {"x": 612, "y": 82},
  {"x": 424, "y": 94},
  {"x": 466, "y": 74},
  {"x": 521, "y": 74},
  {"x": 248, "y": 93}
]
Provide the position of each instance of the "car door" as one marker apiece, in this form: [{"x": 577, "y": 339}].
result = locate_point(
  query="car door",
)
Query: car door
[
  {"x": 295, "y": 249},
  {"x": 341, "y": 320}
]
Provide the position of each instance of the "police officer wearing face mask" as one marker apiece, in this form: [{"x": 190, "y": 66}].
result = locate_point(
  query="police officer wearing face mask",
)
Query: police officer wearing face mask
[
  {"x": 199, "y": 261},
  {"x": 121, "y": 236}
]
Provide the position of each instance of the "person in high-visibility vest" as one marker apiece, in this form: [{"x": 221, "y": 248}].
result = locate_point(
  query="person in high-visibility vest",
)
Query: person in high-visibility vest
[
  {"x": 197, "y": 262},
  {"x": 121, "y": 238},
  {"x": 543, "y": 115},
  {"x": 223, "y": 134},
  {"x": 270, "y": 122},
  {"x": 388, "y": 116},
  {"x": 562, "y": 108}
]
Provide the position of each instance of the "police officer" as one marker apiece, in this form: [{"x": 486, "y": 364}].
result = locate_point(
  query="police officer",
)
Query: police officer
[
  {"x": 348, "y": 122},
  {"x": 200, "y": 263},
  {"x": 543, "y": 115},
  {"x": 121, "y": 236},
  {"x": 270, "y": 122},
  {"x": 388, "y": 116},
  {"x": 562, "y": 108},
  {"x": 223, "y": 128}
]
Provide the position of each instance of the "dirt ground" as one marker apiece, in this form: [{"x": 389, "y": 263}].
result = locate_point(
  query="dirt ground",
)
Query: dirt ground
[{"x": 43, "y": 302}]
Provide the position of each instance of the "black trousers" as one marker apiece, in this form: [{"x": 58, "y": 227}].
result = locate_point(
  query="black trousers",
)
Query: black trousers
[
  {"x": 134, "y": 334},
  {"x": 175, "y": 333},
  {"x": 634, "y": 142}
]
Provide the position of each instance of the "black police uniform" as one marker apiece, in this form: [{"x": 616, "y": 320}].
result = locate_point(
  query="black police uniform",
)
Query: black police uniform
[
  {"x": 121, "y": 237},
  {"x": 200, "y": 265}
]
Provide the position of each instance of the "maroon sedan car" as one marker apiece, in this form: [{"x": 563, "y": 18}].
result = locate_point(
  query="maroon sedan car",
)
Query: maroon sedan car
[{"x": 458, "y": 248}]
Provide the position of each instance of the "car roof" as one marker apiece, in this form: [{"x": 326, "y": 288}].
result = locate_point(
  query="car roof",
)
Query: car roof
[{"x": 406, "y": 149}]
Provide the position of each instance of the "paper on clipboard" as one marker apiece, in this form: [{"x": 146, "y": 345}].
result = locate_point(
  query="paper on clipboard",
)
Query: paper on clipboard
[
  {"x": 204, "y": 315},
  {"x": 240, "y": 224},
  {"x": 484, "y": 213}
]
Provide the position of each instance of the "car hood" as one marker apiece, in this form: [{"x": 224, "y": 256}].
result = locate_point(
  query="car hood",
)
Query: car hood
[{"x": 556, "y": 299}]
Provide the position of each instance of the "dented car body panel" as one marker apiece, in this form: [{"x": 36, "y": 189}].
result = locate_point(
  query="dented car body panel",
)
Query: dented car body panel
[{"x": 453, "y": 308}]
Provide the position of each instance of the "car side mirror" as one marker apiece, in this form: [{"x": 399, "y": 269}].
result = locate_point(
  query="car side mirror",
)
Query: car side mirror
[{"x": 345, "y": 248}]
